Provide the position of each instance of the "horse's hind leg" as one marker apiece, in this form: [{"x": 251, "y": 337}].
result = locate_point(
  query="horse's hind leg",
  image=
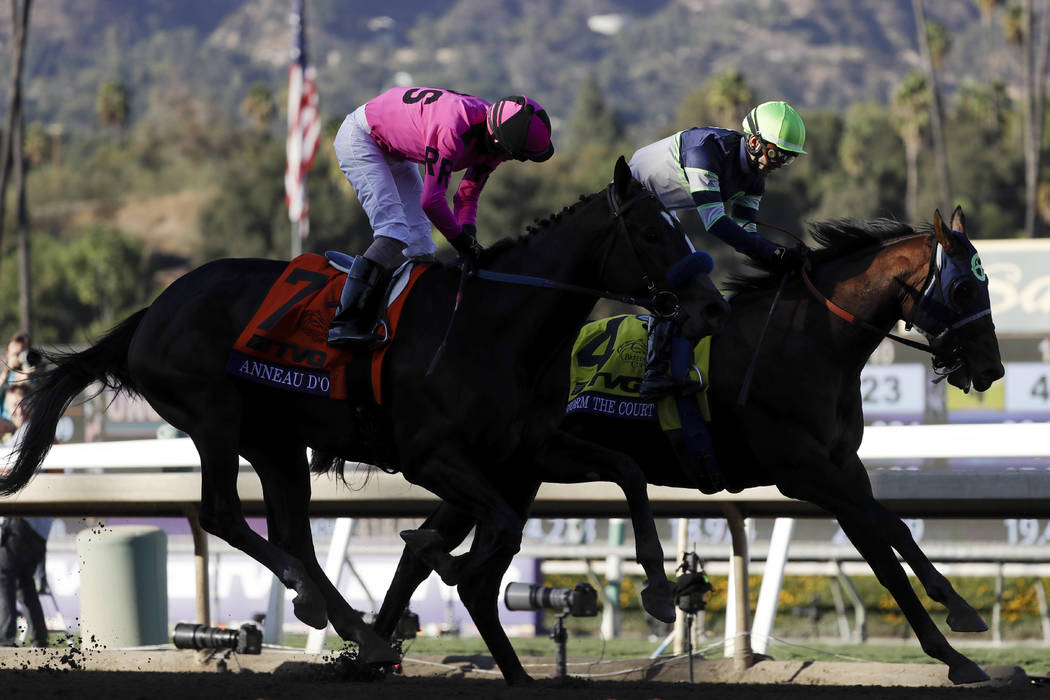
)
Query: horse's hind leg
[
  {"x": 222, "y": 516},
  {"x": 285, "y": 475},
  {"x": 453, "y": 526},
  {"x": 569, "y": 459},
  {"x": 480, "y": 595}
]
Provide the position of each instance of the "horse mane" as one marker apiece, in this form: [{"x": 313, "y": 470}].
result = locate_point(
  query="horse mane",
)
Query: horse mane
[
  {"x": 504, "y": 244},
  {"x": 835, "y": 238}
]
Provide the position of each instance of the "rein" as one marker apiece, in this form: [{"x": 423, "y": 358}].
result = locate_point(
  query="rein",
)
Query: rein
[
  {"x": 940, "y": 362},
  {"x": 652, "y": 303},
  {"x": 850, "y": 318},
  {"x": 544, "y": 283}
]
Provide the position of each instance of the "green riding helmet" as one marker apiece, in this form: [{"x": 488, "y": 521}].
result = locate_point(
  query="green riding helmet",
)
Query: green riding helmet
[{"x": 779, "y": 124}]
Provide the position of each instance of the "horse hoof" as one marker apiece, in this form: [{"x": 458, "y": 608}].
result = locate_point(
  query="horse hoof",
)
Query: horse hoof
[
  {"x": 313, "y": 614},
  {"x": 311, "y": 611},
  {"x": 967, "y": 672},
  {"x": 967, "y": 621},
  {"x": 520, "y": 680},
  {"x": 659, "y": 604},
  {"x": 381, "y": 657}
]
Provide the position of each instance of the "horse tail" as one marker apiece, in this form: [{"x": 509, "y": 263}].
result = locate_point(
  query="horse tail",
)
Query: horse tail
[
  {"x": 324, "y": 462},
  {"x": 55, "y": 388}
]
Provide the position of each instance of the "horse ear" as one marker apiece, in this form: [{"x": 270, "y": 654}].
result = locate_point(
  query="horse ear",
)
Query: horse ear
[
  {"x": 622, "y": 178},
  {"x": 958, "y": 221},
  {"x": 943, "y": 237}
]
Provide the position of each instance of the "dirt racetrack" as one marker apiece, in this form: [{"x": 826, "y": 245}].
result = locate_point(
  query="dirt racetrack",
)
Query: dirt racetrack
[{"x": 162, "y": 674}]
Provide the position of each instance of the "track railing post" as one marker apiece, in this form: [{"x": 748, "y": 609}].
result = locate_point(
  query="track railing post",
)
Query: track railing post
[{"x": 743, "y": 656}]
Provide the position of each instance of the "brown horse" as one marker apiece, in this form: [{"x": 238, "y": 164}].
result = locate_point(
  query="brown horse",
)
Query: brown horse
[
  {"x": 490, "y": 408},
  {"x": 801, "y": 424}
]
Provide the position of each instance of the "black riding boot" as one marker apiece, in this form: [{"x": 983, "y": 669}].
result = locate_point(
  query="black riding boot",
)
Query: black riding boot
[
  {"x": 348, "y": 326},
  {"x": 658, "y": 382}
]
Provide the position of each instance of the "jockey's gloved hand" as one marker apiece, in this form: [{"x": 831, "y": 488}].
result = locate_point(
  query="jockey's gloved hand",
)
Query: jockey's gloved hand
[
  {"x": 466, "y": 244},
  {"x": 788, "y": 260}
]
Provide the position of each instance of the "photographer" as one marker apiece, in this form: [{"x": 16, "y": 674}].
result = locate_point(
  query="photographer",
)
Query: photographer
[
  {"x": 23, "y": 548},
  {"x": 21, "y": 360}
]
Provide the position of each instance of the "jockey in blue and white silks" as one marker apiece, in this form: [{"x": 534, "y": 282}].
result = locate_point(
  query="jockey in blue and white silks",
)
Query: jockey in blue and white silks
[{"x": 722, "y": 173}]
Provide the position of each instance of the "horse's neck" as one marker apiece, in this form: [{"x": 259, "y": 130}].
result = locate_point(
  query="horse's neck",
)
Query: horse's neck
[
  {"x": 880, "y": 289},
  {"x": 567, "y": 251}
]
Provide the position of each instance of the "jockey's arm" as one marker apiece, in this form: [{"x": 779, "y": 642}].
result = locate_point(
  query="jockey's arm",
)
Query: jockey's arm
[
  {"x": 738, "y": 231},
  {"x": 465, "y": 201}
]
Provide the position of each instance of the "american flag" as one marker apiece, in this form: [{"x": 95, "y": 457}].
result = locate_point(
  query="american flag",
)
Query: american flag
[{"x": 304, "y": 126}]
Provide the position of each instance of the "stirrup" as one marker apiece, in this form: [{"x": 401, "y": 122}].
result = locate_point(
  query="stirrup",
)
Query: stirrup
[
  {"x": 345, "y": 335},
  {"x": 658, "y": 387}
]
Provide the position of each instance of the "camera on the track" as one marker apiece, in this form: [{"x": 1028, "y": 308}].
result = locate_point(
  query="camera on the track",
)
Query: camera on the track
[
  {"x": 581, "y": 601},
  {"x": 246, "y": 640}
]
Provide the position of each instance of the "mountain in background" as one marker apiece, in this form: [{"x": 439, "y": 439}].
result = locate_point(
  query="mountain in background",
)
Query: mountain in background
[{"x": 645, "y": 54}]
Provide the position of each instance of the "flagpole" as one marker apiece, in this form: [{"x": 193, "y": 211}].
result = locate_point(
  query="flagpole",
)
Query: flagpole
[
  {"x": 303, "y": 130},
  {"x": 297, "y": 240}
]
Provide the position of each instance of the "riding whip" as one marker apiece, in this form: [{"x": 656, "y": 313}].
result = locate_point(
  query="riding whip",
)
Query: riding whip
[
  {"x": 741, "y": 398},
  {"x": 465, "y": 271}
]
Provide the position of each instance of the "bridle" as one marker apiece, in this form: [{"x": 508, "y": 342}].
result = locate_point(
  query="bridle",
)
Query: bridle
[{"x": 945, "y": 353}]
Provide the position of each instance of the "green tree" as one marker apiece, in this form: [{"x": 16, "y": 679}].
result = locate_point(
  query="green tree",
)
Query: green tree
[
  {"x": 728, "y": 98},
  {"x": 868, "y": 180},
  {"x": 83, "y": 283},
  {"x": 259, "y": 108},
  {"x": 247, "y": 218},
  {"x": 940, "y": 41},
  {"x": 592, "y": 118},
  {"x": 722, "y": 101},
  {"x": 113, "y": 104},
  {"x": 37, "y": 144}
]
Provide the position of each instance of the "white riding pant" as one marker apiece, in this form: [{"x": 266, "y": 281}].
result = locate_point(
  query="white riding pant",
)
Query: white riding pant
[{"x": 388, "y": 188}]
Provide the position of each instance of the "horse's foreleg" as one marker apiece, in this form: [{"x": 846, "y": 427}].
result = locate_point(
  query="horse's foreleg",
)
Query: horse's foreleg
[
  {"x": 856, "y": 502},
  {"x": 453, "y": 526},
  {"x": 285, "y": 477},
  {"x": 962, "y": 617},
  {"x": 891, "y": 575},
  {"x": 568, "y": 459}
]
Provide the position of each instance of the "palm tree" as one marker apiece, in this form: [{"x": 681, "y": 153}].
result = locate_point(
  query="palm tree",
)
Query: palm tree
[
  {"x": 936, "y": 115},
  {"x": 11, "y": 155},
  {"x": 1021, "y": 30},
  {"x": 987, "y": 7},
  {"x": 728, "y": 98},
  {"x": 911, "y": 117}
]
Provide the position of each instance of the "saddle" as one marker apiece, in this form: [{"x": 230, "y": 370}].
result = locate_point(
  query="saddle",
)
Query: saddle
[
  {"x": 608, "y": 363},
  {"x": 285, "y": 344}
]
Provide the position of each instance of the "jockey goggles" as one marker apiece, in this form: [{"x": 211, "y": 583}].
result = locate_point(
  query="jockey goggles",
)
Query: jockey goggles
[{"x": 777, "y": 156}]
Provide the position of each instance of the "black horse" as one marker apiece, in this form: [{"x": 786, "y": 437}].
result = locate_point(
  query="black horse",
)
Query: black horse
[
  {"x": 801, "y": 424},
  {"x": 489, "y": 410}
]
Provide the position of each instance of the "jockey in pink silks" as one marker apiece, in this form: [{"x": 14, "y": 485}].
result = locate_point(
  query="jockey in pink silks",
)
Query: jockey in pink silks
[{"x": 380, "y": 147}]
